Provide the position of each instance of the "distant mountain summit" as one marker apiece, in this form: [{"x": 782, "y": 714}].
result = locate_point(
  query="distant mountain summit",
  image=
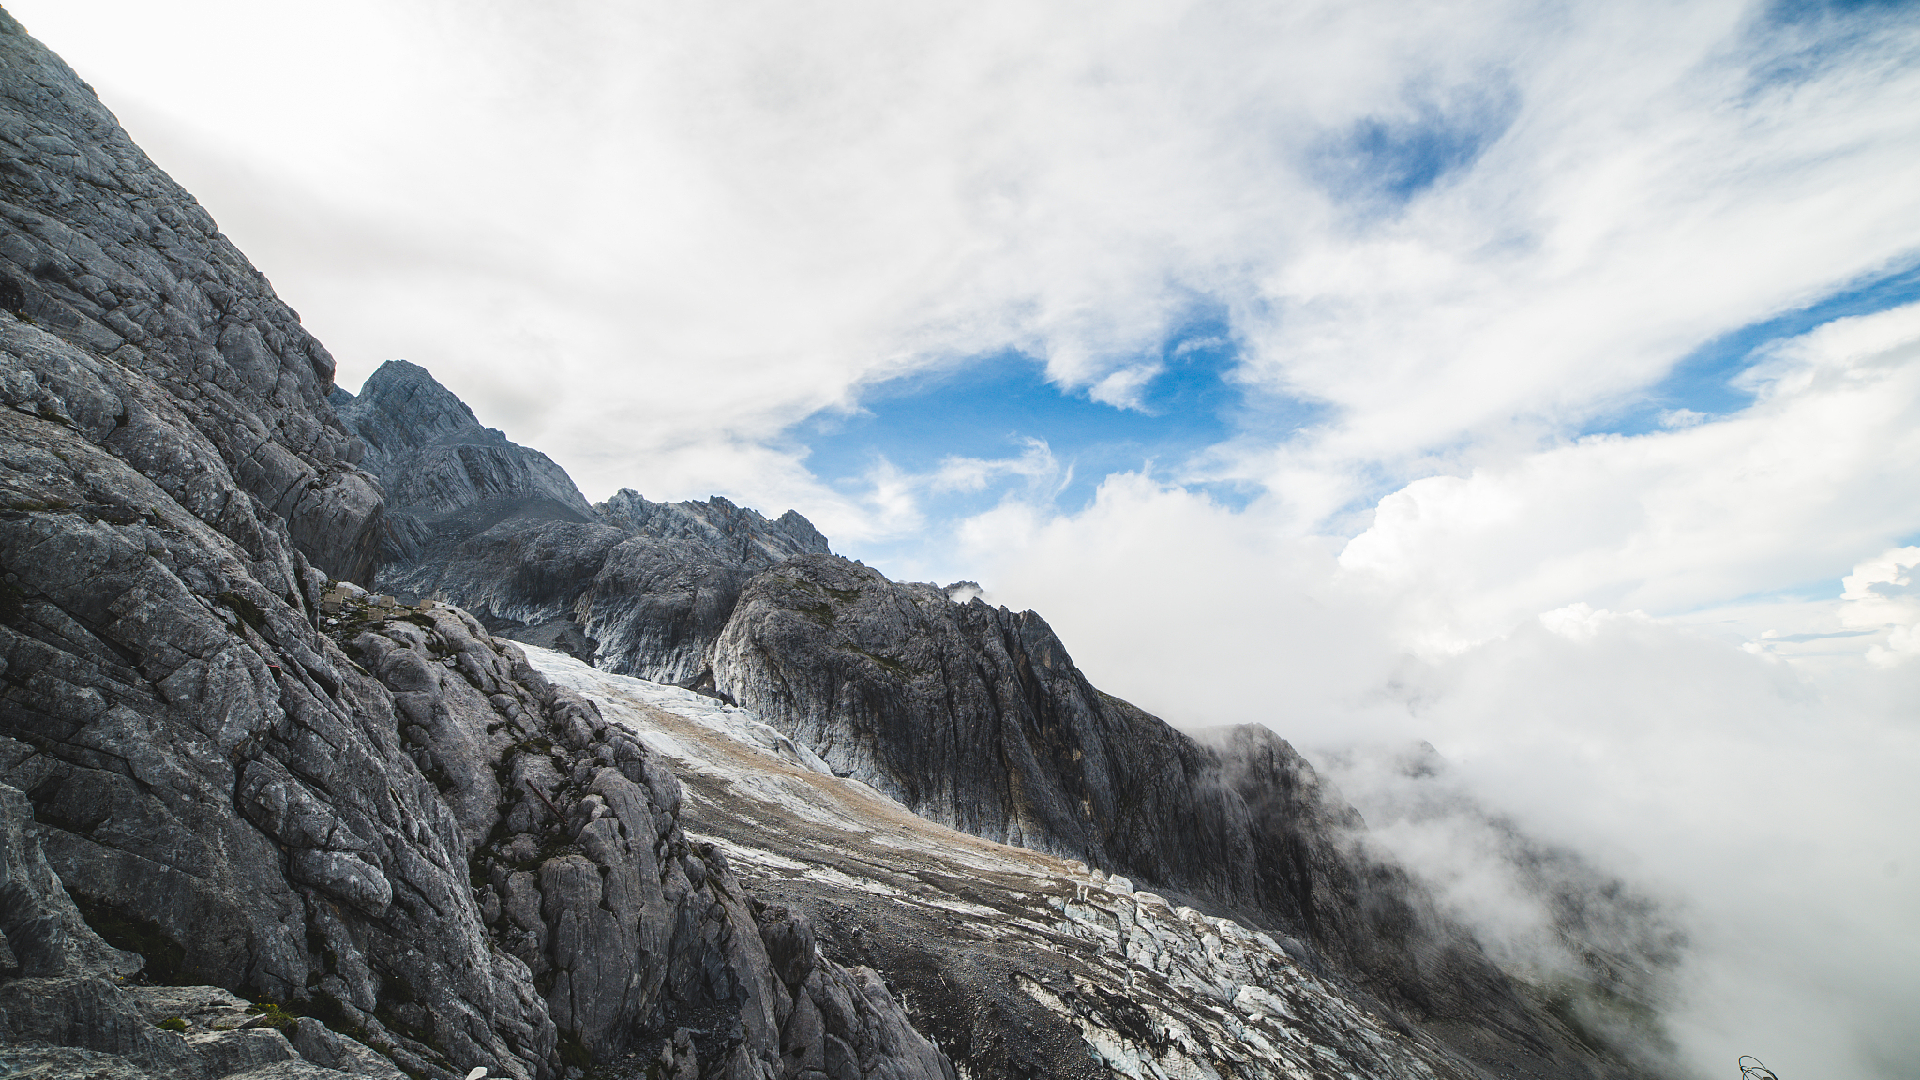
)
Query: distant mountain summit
[
  {"x": 971, "y": 716},
  {"x": 637, "y": 587},
  {"x": 256, "y": 821},
  {"x": 444, "y": 475}
]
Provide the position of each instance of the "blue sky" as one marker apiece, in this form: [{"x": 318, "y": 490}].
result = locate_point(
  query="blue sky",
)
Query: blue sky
[
  {"x": 1707, "y": 380},
  {"x": 991, "y": 408},
  {"x": 1381, "y": 162},
  {"x": 1453, "y": 263}
]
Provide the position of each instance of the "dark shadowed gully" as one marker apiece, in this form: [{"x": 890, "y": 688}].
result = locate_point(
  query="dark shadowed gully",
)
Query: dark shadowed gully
[{"x": 257, "y": 821}]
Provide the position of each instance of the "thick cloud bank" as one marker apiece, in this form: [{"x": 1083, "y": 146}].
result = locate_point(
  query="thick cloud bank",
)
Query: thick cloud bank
[
  {"x": 1560, "y": 402},
  {"x": 1451, "y": 229},
  {"x": 1586, "y": 636}
]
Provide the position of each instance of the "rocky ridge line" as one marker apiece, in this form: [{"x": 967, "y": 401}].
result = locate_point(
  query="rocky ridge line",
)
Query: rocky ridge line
[
  {"x": 976, "y": 717},
  {"x": 100, "y": 247},
  {"x": 393, "y": 828},
  {"x": 639, "y": 587}
]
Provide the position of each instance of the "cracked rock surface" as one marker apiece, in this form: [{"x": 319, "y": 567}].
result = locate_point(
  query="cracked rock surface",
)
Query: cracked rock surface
[
  {"x": 970, "y": 715},
  {"x": 1021, "y": 963},
  {"x": 107, "y": 253},
  {"x": 384, "y": 822},
  {"x": 66, "y": 1008}
]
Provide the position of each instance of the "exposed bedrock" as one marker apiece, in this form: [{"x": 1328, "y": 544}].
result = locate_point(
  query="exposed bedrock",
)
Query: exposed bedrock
[
  {"x": 105, "y": 252},
  {"x": 637, "y": 587},
  {"x": 382, "y": 821},
  {"x": 254, "y": 809},
  {"x": 213, "y": 777},
  {"x": 444, "y": 474},
  {"x": 972, "y": 715},
  {"x": 976, "y": 717},
  {"x": 67, "y": 1009}
]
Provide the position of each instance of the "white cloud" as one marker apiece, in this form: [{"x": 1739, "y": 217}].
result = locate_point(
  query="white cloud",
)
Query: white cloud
[
  {"x": 1567, "y": 627},
  {"x": 756, "y": 211},
  {"x": 1768, "y": 811},
  {"x": 652, "y": 239},
  {"x": 1763, "y": 806},
  {"x": 1191, "y": 610},
  {"x": 1579, "y": 622},
  {"x": 1902, "y": 644},
  {"x": 1880, "y": 594},
  {"x": 1126, "y": 388},
  {"x": 1036, "y": 465},
  {"x": 1791, "y": 491},
  {"x": 1881, "y": 589}
]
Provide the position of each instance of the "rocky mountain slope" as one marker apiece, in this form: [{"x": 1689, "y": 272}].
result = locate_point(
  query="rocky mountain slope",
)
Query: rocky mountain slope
[
  {"x": 973, "y": 717},
  {"x": 642, "y": 587},
  {"x": 247, "y": 776},
  {"x": 1025, "y": 963},
  {"x": 383, "y": 822}
]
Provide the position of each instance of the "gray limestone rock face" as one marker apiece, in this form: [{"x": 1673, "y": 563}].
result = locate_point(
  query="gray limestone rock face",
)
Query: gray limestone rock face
[
  {"x": 626, "y": 928},
  {"x": 637, "y": 587},
  {"x": 106, "y": 253},
  {"x": 43, "y": 932},
  {"x": 382, "y": 820},
  {"x": 218, "y": 785},
  {"x": 68, "y": 1009},
  {"x": 736, "y": 534},
  {"x": 976, "y": 717},
  {"x": 445, "y": 476}
]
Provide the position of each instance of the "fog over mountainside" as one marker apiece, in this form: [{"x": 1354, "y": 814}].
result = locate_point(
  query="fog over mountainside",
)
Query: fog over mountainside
[
  {"x": 231, "y": 769},
  {"x": 1436, "y": 489},
  {"x": 975, "y": 718}
]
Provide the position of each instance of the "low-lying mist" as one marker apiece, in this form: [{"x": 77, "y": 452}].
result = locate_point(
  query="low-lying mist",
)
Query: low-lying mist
[
  {"x": 1706, "y": 851},
  {"x": 1599, "y": 952},
  {"x": 1743, "y": 832}
]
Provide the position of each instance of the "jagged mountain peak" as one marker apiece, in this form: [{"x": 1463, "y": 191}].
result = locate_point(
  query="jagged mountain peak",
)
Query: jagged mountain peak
[
  {"x": 433, "y": 858},
  {"x": 974, "y": 717},
  {"x": 446, "y": 476},
  {"x": 717, "y": 523},
  {"x": 402, "y": 407}
]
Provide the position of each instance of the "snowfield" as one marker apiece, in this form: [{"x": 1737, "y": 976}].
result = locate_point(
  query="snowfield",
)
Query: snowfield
[{"x": 1155, "y": 990}]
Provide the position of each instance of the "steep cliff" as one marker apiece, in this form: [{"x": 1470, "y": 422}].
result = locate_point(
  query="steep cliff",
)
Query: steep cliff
[
  {"x": 105, "y": 252},
  {"x": 638, "y": 587},
  {"x": 251, "y": 779},
  {"x": 976, "y": 717}
]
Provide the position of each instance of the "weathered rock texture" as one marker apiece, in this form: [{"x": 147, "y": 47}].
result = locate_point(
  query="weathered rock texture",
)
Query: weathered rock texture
[
  {"x": 445, "y": 476},
  {"x": 101, "y": 249},
  {"x": 972, "y": 716},
  {"x": 381, "y": 820},
  {"x": 638, "y": 587},
  {"x": 570, "y": 830},
  {"x": 65, "y": 1008}
]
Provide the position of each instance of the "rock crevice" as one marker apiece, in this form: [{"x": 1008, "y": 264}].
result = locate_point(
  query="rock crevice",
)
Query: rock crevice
[{"x": 221, "y": 758}]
